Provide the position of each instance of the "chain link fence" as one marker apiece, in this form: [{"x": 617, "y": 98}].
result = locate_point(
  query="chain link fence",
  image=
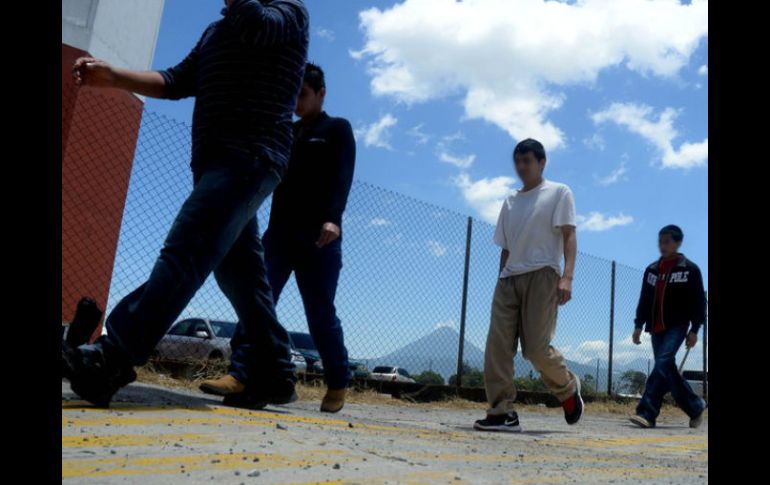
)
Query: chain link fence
[{"x": 401, "y": 290}]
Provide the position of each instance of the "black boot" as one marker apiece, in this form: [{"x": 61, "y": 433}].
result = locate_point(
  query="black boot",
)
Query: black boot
[{"x": 83, "y": 325}]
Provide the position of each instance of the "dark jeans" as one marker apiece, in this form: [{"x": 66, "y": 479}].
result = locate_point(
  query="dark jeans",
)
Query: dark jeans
[
  {"x": 317, "y": 271},
  {"x": 665, "y": 377},
  {"x": 215, "y": 231}
]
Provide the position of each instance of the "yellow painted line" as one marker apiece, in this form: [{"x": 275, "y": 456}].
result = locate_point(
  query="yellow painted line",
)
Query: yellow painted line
[
  {"x": 249, "y": 417},
  {"x": 513, "y": 457},
  {"x": 101, "y": 467},
  {"x": 155, "y": 420},
  {"x": 110, "y": 441},
  {"x": 415, "y": 478},
  {"x": 616, "y": 442}
]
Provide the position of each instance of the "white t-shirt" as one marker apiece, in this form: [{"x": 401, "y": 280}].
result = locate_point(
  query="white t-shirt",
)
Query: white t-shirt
[{"x": 529, "y": 227}]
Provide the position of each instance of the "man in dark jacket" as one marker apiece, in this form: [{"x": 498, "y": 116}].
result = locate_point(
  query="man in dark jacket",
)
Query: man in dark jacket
[
  {"x": 304, "y": 235},
  {"x": 672, "y": 300}
]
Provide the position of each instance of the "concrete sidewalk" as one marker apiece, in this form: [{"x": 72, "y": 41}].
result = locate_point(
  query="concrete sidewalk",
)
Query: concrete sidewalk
[{"x": 157, "y": 435}]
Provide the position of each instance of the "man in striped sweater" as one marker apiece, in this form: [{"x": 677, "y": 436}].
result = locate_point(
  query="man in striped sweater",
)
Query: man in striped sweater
[{"x": 245, "y": 72}]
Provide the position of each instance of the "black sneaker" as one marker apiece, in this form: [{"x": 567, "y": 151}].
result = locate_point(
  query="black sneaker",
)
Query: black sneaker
[
  {"x": 573, "y": 407},
  {"x": 91, "y": 376},
  {"x": 84, "y": 323},
  {"x": 281, "y": 393},
  {"x": 504, "y": 422}
]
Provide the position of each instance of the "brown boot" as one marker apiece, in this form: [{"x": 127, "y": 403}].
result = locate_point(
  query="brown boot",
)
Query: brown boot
[
  {"x": 223, "y": 386},
  {"x": 333, "y": 400}
]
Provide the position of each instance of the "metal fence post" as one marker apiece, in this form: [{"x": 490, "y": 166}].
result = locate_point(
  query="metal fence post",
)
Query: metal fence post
[
  {"x": 464, "y": 303},
  {"x": 612, "y": 332}
]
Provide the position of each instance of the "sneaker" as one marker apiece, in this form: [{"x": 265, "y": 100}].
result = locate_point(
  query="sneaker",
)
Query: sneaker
[
  {"x": 573, "y": 407},
  {"x": 281, "y": 393},
  {"x": 333, "y": 401},
  {"x": 504, "y": 422},
  {"x": 92, "y": 376},
  {"x": 641, "y": 422},
  {"x": 698, "y": 420},
  {"x": 223, "y": 386}
]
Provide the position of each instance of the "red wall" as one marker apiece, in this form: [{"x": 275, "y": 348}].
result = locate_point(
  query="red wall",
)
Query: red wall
[{"x": 99, "y": 132}]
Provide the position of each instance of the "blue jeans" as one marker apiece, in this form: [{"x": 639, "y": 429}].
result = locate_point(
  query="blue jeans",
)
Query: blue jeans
[
  {"x": 214, "y": 231},
  {"x": 665, "y": 377},
  {"x": 317, "y": 272}
]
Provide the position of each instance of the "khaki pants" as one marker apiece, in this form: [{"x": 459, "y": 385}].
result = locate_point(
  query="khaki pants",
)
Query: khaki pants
[{"x": 524, "y": 307}]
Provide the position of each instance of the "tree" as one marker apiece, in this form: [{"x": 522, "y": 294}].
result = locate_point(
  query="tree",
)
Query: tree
[
  {"x": 429, "y": 377},
  {"x": 472, "y": 377},
  {"x": 633, "y": 381}
]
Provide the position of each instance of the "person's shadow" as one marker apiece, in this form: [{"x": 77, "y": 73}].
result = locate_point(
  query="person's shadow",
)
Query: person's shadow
[
  {"x": 138, "y": 395},
  {"x": 531, "y": 432}
]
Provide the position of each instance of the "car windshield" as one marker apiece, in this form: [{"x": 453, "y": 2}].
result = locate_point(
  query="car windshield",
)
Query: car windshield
[
  {"x": 383, "y": 370},
  {"x": 223, "y": 329},
  {"x": 302, "y": 341}
]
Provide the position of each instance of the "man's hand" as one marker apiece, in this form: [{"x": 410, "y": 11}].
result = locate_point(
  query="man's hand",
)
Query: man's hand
[
  {"x": 637, "y": 338},
  {"x": 329, "y": 232},
  {"x": 565, "y": 290},
  {"x": 88, "y": 71},
  {"x": 692, "y": 339}
]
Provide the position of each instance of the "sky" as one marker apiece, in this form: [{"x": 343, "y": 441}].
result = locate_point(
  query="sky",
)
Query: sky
[{"x": 439, "y": 92}]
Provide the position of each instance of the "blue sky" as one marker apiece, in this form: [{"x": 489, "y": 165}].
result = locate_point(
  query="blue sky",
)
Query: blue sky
[
  {"x": 615, "y": 172},
  {"x": 439, "y": 92}
]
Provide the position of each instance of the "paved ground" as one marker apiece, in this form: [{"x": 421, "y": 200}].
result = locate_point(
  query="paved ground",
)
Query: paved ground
[{"x": 153, "y": 435}]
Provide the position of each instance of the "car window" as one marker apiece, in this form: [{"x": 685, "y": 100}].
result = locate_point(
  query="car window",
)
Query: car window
[
  {"x": 181, "y": 327},
  {"x": 224, "y": 329},
  {"x": 302, "y": 341},
  {"x": 197, "y": 326},
  {"x": 383, "y": 370}
]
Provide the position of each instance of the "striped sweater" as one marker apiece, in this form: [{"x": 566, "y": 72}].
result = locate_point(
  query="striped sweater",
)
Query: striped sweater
[{"x": 245, "y": 73}]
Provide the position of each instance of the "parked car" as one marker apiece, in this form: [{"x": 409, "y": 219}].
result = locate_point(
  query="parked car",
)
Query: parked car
[
  {"x": 196, "y": 339},
  {"x": 389, "y": 373},
  {"x": 303, "y": 343},
  {"x": 695, "y": 379}
]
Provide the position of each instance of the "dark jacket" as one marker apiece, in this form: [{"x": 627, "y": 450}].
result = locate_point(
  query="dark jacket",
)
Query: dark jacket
[
  {"x": 317, "y": 183},
  {"x": 684, "y": 299},
  {"x": 246, "y": 73}
]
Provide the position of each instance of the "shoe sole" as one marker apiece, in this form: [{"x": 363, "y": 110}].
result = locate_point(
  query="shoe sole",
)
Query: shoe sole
[
  {"x": 582, "y": 405},
  {"x": 639, "y": 422},
  {"x": 332, "y": 410},
  {"x": 213, "y": 390},
  {"x": 498, "y": 428}
]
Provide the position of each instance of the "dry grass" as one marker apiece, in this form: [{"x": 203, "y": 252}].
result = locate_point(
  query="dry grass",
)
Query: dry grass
[{"x": 314, "y": 391}]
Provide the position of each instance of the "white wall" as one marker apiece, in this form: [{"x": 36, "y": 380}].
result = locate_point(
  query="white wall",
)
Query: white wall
[{"x": 122, "y": 32}]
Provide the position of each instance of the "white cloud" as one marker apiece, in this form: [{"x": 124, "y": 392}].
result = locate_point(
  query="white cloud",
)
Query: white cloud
[
  {"x": 704, "y": 70},
  {"x": 509, "y": 58},
  {"x": 446, "y": 155},
  {"x": 485, "y": 195},
  {"x": 416, "y": 132},
  {"x": 658, "y": 130},
  {"x": 325, "y": 34},
  {"x": 457, "y": 161},
  {"x": 615, "y": 176},
  {"x": 394, "y": 240},
  {"x": 447, "y": 324},
  {"x": 378, "y": 133},
  {"x": 596, "y": 142},
  {"x": 379, "y": 221},
  {"x": 598, "y": 222},
  {"x": 436, "y": 248}
]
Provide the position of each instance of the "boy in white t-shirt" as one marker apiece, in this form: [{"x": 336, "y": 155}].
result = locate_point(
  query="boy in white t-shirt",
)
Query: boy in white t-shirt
[{"x": 536, "y": 228}]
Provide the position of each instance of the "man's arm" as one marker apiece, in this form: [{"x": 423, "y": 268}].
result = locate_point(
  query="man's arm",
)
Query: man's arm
[
  {"x": 88, "y": 71},
  {"x": 570, "y": 254},
  {"x": 344, "y": 166},
  {"x": 503, "y": 258}
]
